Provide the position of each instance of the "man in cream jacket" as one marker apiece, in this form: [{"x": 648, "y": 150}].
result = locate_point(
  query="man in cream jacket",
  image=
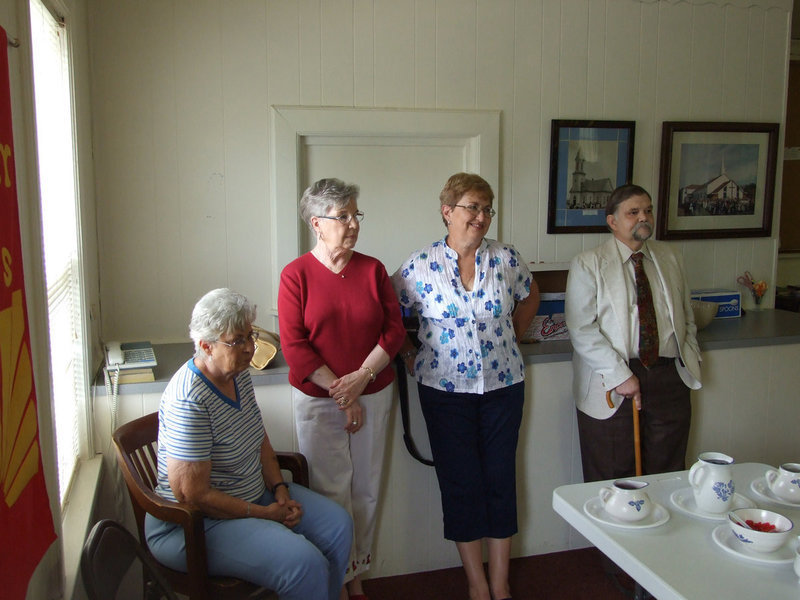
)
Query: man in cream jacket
[{"x": 603, "y": 322}]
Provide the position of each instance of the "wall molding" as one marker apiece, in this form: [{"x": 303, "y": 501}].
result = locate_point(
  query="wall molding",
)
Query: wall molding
[{"x": 294, "y": 128}]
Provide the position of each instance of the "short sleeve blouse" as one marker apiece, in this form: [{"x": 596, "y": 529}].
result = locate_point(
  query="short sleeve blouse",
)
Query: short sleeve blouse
[{"x": 468, "y": 340}]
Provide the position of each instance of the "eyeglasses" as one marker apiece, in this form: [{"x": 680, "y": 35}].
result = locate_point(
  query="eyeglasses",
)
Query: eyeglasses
[
  {"x": 345, "y": 219},
  {"x": 238, "y": 342},
  {"x": 475, "y": 209}
]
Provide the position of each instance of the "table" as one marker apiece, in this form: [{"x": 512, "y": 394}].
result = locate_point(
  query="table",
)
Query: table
[{"x": 679, "y": 560}]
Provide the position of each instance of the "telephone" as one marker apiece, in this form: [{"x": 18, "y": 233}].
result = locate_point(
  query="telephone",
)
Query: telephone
[{"x": 132, "y": 355}]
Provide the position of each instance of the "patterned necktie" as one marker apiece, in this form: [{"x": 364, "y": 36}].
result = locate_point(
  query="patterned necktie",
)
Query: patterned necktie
[{"x": 648, "y": 327}]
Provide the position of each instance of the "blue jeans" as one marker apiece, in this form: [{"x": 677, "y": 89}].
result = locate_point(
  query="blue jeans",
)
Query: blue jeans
[{"x": 304, "y": 563}]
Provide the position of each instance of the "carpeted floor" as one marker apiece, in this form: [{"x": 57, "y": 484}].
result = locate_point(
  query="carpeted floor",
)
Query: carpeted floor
[{"x": 571, "y": 575}]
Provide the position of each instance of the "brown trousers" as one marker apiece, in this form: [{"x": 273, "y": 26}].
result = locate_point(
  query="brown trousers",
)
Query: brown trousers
[{"x": 607, "y": 450}]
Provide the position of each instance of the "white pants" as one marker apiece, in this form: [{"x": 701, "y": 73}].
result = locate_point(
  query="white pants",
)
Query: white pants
[{"x": 346, "y": 468}]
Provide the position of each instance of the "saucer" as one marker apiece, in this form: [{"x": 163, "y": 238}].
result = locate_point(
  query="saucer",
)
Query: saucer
[
  {"x": 724, "y": 538},
  {"x": 595, "y": 509},
  {"x": 760, "y": 487},
  {"x": 684, "y": 500}
]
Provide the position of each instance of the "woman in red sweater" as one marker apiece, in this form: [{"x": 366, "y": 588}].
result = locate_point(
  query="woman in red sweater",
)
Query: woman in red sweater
[{"x": 340, "y": 326}]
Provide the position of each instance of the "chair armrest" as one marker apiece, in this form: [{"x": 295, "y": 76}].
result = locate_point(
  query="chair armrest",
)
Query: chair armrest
[
  {"x": 166, "y": 510},
  {"x": 147, "y": 499},
  {"x": 296, "y": 464},
  {"x": 190, "y": 519}
]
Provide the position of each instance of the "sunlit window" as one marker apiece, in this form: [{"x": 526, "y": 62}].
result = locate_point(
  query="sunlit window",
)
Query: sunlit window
[{"x": 60, "y": 232}]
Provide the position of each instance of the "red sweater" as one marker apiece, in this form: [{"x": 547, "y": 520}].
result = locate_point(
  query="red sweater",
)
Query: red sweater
[{"x": 336, "y": 319}]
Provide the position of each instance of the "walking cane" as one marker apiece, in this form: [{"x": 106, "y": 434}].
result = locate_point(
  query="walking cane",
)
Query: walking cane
[
  {"x": 639, "y": 593},
  {"x": 637, "y": 445}
]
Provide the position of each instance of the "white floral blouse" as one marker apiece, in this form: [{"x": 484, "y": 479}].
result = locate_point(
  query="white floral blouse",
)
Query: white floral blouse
[{"x": 468, "y": 341}]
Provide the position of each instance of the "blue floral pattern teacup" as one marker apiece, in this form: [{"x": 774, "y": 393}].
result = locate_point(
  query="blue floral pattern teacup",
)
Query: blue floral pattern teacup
[{"x": 785, "y": 482}]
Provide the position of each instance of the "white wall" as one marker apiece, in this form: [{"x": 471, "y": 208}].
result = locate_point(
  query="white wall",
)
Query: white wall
[{"x": 181, "y": 92}]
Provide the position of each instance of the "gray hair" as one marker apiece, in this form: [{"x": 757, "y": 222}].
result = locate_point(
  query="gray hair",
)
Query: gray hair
[
  {"x": 220, "y": 312},
  {"x": 324, "y": 195}
]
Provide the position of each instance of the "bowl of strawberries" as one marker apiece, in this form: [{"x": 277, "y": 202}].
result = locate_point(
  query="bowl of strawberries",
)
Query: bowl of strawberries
[{"x": 760, "y": 530}]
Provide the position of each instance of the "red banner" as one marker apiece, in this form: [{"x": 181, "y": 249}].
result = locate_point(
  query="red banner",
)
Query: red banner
[{"x": 26, "y": 523}]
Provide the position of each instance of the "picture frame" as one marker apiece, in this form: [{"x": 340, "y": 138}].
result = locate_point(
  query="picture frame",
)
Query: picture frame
[
  {"x": 716, "y": 180},
  {"x": 588, "y": 160}
]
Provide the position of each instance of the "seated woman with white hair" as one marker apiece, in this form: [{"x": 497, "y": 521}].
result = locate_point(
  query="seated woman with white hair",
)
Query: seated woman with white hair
[{"x": 214, "y": 452}]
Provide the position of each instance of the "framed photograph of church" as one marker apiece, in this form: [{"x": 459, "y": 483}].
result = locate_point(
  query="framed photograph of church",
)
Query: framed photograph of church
[
  {"x": 717, "y": 180},
  {"x": 588, "y": 159}
]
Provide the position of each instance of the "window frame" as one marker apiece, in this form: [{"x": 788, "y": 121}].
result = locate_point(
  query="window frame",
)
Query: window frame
[{"x": 83, "y": 432}]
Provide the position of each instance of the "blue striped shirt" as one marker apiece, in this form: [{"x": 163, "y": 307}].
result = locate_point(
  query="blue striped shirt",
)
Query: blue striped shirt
[{"x": 196, "y": 422}]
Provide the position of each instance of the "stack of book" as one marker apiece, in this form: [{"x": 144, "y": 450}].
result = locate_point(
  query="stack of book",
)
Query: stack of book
[{"x": 134, "y": 375}]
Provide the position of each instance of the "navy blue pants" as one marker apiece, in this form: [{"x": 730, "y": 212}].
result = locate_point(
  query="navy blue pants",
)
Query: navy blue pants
[{"x": 473, "y": 441}]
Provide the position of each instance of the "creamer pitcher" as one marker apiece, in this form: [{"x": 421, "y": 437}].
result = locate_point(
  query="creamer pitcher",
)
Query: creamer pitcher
[{"x": 711, "y": 479}]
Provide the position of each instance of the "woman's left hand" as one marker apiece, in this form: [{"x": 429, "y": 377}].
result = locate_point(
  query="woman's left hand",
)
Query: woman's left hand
[
  {"x": 294, "y": 510},
  {"x": 293, "y": 515},
  {"x": 355, "y": 417},
  {"x": 347, "y": 389}
]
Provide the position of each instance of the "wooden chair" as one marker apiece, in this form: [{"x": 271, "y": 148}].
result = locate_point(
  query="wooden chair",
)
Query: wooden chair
[
  {"x": 108, "y": 554},
  {"x": 136, "y": 445}
]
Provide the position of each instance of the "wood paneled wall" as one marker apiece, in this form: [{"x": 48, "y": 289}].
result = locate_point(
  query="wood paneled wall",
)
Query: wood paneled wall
[
  {"x": 181, "y": 92},
  {"x": 790, "y": 210}
]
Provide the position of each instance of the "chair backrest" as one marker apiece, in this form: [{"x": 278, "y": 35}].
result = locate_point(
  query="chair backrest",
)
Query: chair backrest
[
  {"x": 141, "y": 444},
  {"x": 108, "y": 555},
  {"x": 137, "y": 452},
  {"x": 136, "y": 443}
]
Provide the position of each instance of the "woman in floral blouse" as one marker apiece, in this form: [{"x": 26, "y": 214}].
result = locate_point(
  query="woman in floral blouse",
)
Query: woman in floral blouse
[{"x": 475, "y": 298}]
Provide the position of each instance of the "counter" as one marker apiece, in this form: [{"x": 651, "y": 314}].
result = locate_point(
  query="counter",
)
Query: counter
[
  {"x": 759, "y": 328},
  {"x": 747, "y": 408}
]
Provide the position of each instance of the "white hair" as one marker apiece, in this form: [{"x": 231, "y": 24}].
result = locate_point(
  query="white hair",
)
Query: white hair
[{"x": 220, "y": 312}]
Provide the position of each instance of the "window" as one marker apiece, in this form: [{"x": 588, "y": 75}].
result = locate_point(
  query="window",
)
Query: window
[{"x": 60, "y": 234}]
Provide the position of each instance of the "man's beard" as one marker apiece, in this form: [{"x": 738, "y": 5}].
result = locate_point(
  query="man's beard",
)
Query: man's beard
[{"x": 641, "y": 237}]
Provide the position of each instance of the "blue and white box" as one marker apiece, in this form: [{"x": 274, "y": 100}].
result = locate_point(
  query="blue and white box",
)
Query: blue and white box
[
  {"x": 551, "y": 303},
  {"x": 730, "y": 301}
]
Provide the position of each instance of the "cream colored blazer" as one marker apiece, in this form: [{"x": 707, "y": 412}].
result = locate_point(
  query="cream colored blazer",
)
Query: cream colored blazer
[{"x": 597, "y": 313}]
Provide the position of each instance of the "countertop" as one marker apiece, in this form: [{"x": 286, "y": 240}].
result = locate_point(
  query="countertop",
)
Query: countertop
[{"x": 755, "y": 328}]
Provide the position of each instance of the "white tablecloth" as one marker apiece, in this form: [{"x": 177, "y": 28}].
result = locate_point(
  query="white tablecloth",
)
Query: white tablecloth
[{"x": 679, "y": 560}]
